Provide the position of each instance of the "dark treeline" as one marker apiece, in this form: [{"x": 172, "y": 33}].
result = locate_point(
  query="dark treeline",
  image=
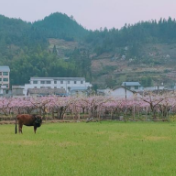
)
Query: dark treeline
[
  {"x": 24, "y": 46},
  {"x": 133, "y": 36}
]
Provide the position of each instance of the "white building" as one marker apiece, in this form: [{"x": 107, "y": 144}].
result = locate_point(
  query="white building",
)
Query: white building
[
  {"x": 123, "y": 93},
  {"x": 67, "y": 83},
  {"x": 119, "y": 92},
  {"x": 4, "y": 77}
]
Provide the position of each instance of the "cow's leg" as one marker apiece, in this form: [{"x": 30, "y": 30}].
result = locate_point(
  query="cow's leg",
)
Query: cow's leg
[
  {"x": 20, "y": 127},
  {"x": 35, "y": 129}
]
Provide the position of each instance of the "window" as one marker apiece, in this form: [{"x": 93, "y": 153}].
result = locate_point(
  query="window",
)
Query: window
[
  {"x": 42, "y": 82},
  {"x": 0, "y": 73},
  {"x": 61, "y": 82},
  {"x": 68, "y": 82},
  {"x": 74, "y": 82},
  {"x": 81, "y": 82},
  {"x": 0, "y": 79},
  {"x": 48, "y": 82},
  {"x": 35, "y": 82},
  {"x": 5, "y": 79},
  {"x": 55, "y": 82},
  {"x": 5, "y": 73}
]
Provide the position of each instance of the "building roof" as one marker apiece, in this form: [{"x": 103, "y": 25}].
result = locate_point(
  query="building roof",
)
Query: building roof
[
  {"x": 131, "y": 84},
  {"x": 59, "y": 78},
  {"x": 4, "y": 68}
]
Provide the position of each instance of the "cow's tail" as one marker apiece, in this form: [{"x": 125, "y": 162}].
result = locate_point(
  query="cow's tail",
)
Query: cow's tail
[{"x": 16, "y": 125}]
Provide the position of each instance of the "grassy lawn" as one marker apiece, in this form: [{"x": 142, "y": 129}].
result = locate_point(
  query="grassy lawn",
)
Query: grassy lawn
[{"x": 89, "y": 149}]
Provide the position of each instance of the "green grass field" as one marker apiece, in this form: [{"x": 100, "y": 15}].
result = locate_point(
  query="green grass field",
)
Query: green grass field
[{"x": 89, "y": 149}]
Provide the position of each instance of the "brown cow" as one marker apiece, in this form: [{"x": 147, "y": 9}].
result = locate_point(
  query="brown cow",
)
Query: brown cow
[{"x": 28, "y": 120}]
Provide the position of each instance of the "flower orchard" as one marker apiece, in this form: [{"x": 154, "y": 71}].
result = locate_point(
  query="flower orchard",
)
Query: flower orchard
[{"x": 150, "y": 106}]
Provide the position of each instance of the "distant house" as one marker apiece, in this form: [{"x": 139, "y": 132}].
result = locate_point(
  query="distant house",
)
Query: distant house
[
  {"x": 132, "y": 85},
  {"x": 69, "y": 84},
  {"x": 124, "y": 93},
  {"x": 119, "y": 92},
  {"x": 5, "y": 77},
  {"x": 4, "y": 80},
  {"x": 17, "y": 91}
]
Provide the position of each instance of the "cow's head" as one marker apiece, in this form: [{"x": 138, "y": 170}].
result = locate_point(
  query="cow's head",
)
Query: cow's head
[{"x": 38, "y": 120}]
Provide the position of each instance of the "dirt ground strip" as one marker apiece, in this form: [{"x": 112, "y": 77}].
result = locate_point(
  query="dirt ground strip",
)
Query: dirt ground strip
[{"x": 6, "y": 122}]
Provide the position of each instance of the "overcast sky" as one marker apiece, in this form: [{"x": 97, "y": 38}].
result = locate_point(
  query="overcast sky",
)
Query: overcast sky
[{"x": 91, "y": 14}]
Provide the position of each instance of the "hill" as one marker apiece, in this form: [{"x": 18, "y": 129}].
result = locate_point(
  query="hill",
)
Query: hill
[
  {"x": 60, "y": 26},
  {"x": 157, "y": 66},
  {"x": 59, "y": 46},
  {"x": 26, "y": 47},
  {"x": 143, "y": 52}
]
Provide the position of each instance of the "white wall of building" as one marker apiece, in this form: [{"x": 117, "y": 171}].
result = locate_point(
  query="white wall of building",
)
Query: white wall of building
[
  {"x": 4, "y": 77},
  {"x": 124, "y": 94},
  {"x": 57, "y": 82}
]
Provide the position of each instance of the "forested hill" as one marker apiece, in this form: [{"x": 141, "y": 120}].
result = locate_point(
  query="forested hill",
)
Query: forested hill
[
  {"x": 17, "y": 32},
  {"x": 163, "y": 31},
  {"x": 60, "y": 46},
  {"x": 60, "y": 26},
  {"x": 57, "y": 25},
  {"x": 144, "y": 52},
  {"x": 25, "y": 47}
]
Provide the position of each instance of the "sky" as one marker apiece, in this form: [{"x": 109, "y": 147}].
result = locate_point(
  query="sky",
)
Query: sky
[{"x": 91, "y": 14}]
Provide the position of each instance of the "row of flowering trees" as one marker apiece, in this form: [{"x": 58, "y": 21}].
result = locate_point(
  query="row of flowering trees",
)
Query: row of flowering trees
[{"x": 154, "y": 105}]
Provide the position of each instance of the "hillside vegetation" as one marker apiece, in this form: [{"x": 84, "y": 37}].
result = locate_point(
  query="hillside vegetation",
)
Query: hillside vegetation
[{"x": 59, "y": 46}]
